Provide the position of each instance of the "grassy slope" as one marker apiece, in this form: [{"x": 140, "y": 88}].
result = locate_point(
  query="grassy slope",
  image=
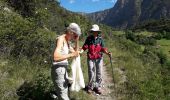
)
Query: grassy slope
[
  {"x": 165, "y": 46},
  {"x": 33, "y": 79},
  {"x": 20, "y": 78},
  {"x": 144, "y": 77}
]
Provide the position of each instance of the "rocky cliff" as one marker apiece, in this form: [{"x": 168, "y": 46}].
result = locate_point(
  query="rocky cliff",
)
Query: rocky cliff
[{"x": 129, "y": 13}]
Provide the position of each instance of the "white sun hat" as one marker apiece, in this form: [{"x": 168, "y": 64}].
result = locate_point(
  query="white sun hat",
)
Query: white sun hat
[
  {"x": 75, "y": 28},
  {"x": 95, "y": 27}
]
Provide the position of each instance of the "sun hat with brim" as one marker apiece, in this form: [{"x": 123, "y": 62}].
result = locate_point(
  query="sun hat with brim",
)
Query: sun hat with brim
[
  {"x": 74, "y": 28},
  {"x": 95, "y": 28}
]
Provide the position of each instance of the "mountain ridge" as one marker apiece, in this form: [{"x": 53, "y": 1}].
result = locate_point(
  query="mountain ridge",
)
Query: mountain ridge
[{"x": 129, "y": 13}]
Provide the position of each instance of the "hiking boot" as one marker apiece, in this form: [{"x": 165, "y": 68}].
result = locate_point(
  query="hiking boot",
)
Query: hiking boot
[
  {"x": 53, "y": 95},
  {"x": 98, "y": 90},
  {"x": 89, "y": 90}
]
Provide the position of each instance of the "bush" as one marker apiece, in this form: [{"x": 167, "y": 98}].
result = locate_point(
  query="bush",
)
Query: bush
[
  {"x": 127, "y": 45},
  {"x": 168, "y": 65},
  {"x": 168, "y": 35},
  {"x": 22, "y": 37},
  {"x": 144, "y": 40},
  {"x": 160, "y": 35},
  {"x": 162, "y": 57},
  {"x": 140, "y": 39},
  {"x": 39, "y": 89},
  {"x": 130, "y": 35}
]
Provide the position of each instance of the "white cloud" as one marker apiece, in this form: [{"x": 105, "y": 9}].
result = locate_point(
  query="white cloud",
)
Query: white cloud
[
  {"x": 71, "y": 1},
  {"x": 95, "y": 0},
  {"x": 112, "y": 1}
]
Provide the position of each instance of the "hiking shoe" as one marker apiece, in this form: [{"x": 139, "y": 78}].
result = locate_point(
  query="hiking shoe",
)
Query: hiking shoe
[
  {"x": 53, "y": 95},
  {"x": 97, "y": 90},
  {"x": 89, "y": 90}
]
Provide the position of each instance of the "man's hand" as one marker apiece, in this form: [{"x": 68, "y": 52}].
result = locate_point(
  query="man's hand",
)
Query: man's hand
[
  {"x": 109, "y": 54},
  {"x": 75, "y": 54}
]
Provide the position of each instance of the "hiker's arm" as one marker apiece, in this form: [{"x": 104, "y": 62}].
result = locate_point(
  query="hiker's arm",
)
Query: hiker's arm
[
  {"x": 77, "y": 43},
  {"x": 85, "y": 46},
  {"x": 76, "y": 48},
  {"x": 71, "y": 49},
  {"x": 58, "y": 56},
  {"x": 104, "y": 49}
]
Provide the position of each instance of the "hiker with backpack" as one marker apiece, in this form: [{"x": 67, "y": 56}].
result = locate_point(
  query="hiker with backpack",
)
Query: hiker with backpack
[
  {"x": 95, "y": 45},
  {"x": 64, "y": 51}
]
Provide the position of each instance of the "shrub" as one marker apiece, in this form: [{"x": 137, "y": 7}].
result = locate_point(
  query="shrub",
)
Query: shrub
[
  {"x": 161, "y": 35},
  {"x": 162, "y": 57},
  {"x": 140, "y": 39},
  {"x": 38, "y": 89},
  {"x": 130, "y": 35}
]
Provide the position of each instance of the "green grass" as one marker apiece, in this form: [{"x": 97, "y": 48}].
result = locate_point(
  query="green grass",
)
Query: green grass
[
  {"x": 12, "y": 77},
  {"x": 143, "y": 71},
  {"x": 146, "y": 33},
  {"x": 118, "y": 33},
  {"x": 33, "y": 79},
  {"x": 165, "y": 46}
]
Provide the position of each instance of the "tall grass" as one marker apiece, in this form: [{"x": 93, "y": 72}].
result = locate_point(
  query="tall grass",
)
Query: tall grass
[
  {"x": 27, "y": 80},
  {"x": 165, "y": 46},
  {"x": 142, "y": 70}
]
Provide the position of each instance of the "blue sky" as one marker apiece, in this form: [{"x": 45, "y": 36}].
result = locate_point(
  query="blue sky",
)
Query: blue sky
[{"x": 87, "y": 5}]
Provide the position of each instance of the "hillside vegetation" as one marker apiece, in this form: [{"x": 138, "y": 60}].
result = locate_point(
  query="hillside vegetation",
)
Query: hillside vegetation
[
  {"x": 27, "y": 35},
  {"x": 154, "y": 25},
  {"x": 142, "y": 65},
  {"x": 28, "y": 29}
]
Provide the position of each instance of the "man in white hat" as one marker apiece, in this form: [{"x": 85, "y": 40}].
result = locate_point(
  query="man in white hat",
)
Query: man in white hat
[
  {"x": 62, "y": 52},
  {"x": 95, "y": 45}
]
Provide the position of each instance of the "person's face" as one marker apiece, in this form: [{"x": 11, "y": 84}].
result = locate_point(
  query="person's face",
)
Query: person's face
[
  {"x": 95, "y": 33},
  {"x": 75, "y": 36},
  {"x": 72, "y": 36}
]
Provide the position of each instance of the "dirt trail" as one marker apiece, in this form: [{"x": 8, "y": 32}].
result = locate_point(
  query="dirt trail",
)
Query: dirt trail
[{"x": 108, "y": 87}]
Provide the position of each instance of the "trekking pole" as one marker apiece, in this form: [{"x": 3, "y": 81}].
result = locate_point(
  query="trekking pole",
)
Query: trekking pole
[
  {"x": 69, "y": 94},
  {"x": 111, "y": 63}
]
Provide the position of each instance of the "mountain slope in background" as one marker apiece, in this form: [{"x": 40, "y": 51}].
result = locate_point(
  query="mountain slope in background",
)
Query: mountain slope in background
[{"x": 129, "y": 13}]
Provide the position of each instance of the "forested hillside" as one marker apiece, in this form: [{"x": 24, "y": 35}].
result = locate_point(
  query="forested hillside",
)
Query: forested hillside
[{"x": 28, "y": 29}]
